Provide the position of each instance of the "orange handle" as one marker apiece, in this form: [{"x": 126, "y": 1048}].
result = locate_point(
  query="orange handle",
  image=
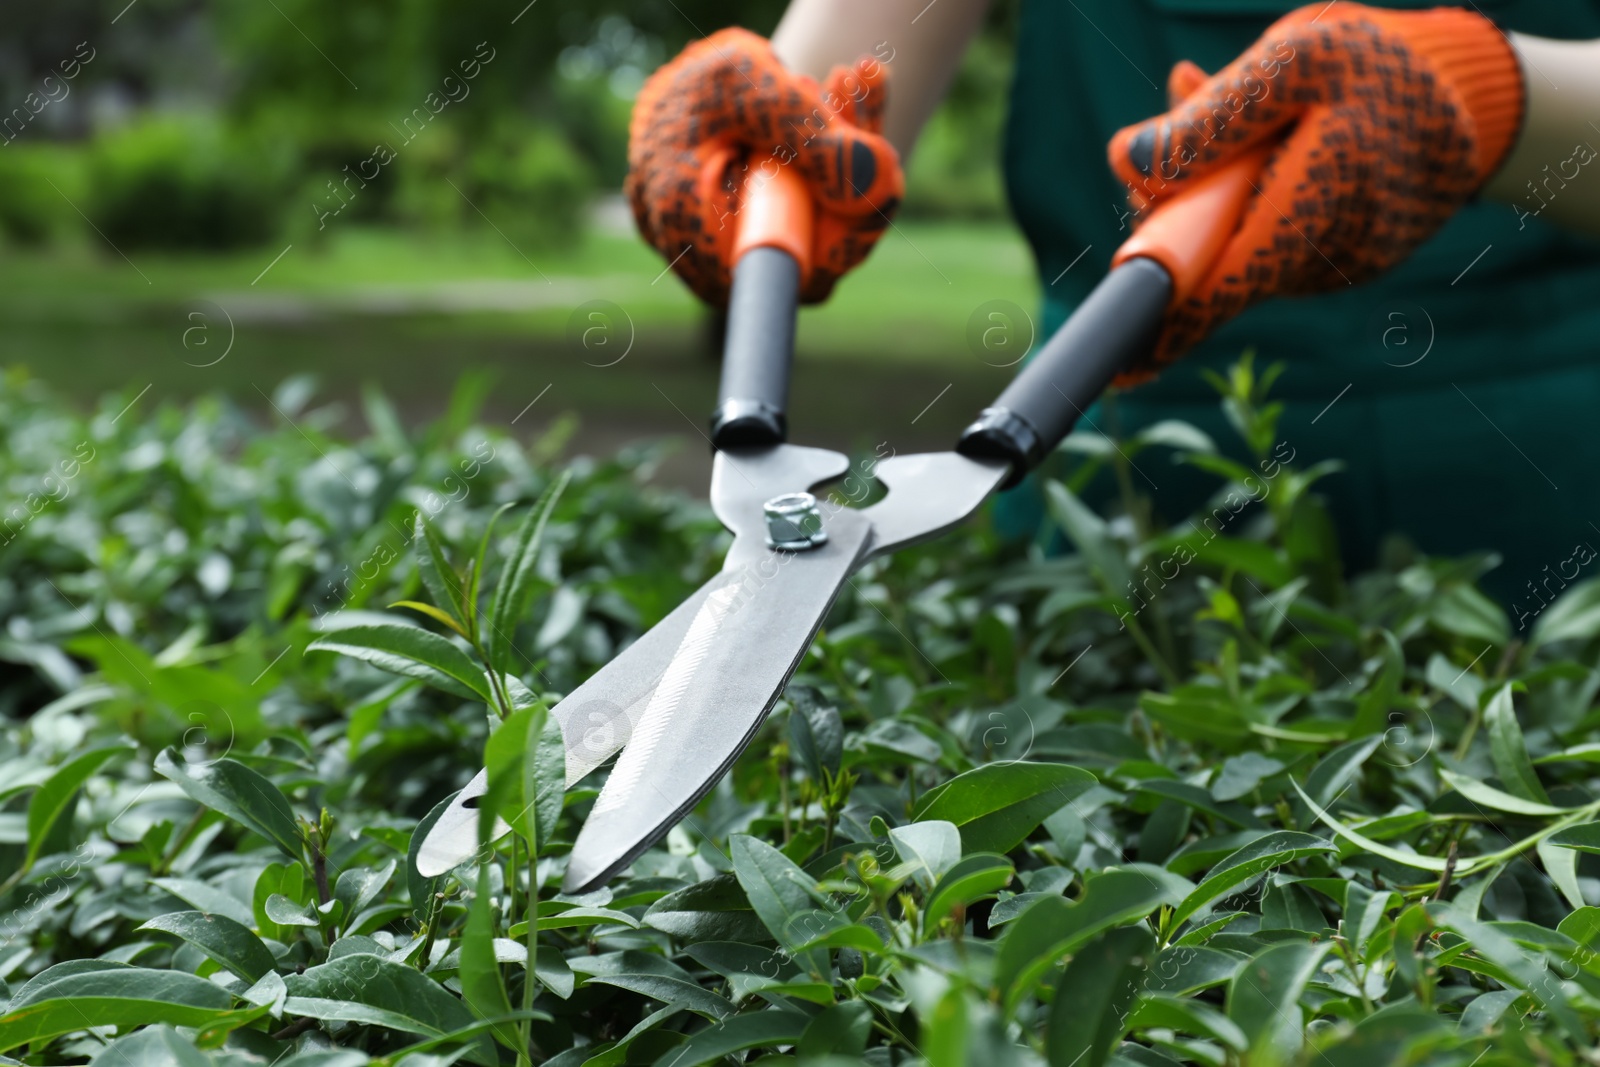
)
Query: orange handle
[
  {"x": 775, "y": 211},
  {"x": 1187, "y": 233}
]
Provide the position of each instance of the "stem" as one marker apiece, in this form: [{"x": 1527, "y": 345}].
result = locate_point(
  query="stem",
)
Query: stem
[
  {"x": 435, "y": 907},
  {"x": 293, "y": 1030},
  {"x": 1357, "y": 971},
  {"x": 1156, "y": 659},
  {"x": 1164, "y": 641},
  {"x": 1512, "y": 851},
  {"x": 783, "y": 793},
  {"x": 319, "y": 869},
  {"x": 1465, "y": 744},
  {"x": 162, "y": 867},
  {"x": 525, "y": 1027},
  {"x": 497, "y": 687},
  {"x": 1449, "y": 871}
]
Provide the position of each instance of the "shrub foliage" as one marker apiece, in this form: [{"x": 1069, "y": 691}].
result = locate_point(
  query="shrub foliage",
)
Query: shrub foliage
[{"x": 1179, "y": 794}]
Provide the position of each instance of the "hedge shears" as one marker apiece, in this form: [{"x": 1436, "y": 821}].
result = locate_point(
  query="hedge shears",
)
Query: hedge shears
[{"x": 684, "y": 700}]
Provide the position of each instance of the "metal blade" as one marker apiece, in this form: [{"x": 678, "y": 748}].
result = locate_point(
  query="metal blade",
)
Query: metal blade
[
  {"x": 597, "y": 718},
  {"x": 746, "y": 640},
  {"x": 928, "y": 493}
]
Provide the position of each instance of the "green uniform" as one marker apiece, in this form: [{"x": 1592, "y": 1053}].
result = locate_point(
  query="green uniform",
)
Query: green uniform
[{"x": 1464, "y": 384}]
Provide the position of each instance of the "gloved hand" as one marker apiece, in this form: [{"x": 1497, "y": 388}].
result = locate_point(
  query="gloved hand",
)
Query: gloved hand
[
  {"x": 1385, "y": 123},
  {"x": 700, "y": 119}
]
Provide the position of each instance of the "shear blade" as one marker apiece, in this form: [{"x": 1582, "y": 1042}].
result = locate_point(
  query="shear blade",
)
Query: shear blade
[
  {"x": 736, "y": 655},
  {"x": 596, "y": 720}
]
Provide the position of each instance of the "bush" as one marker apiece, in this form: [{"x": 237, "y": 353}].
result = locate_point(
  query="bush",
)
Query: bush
[
  {"x": 31, "y": 212},
  {"x": 1184, "y": 795},
  {"x": 530, "y": 176},
  {"x": 183, "y": 182},
  {"x": 523, "y": 179}
]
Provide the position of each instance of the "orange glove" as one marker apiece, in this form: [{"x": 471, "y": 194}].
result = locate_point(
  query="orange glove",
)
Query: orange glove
[
  {"x": 1385, "y": 122},
  {"x": 700, "y": 118}
]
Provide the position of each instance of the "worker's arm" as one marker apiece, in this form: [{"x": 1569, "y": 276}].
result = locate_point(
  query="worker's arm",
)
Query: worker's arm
[
  {"x": 921, "y": 43},
  {"x": 1552, "y": 171}
]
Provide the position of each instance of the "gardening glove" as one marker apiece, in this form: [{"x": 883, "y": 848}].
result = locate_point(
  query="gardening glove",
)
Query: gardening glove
[
  {"x": 701, "y": 118},
  {"x": 1381, "y": 124}
]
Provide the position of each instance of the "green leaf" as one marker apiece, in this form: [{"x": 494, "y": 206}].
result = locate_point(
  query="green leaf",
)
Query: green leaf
[
  {"x": 368, "y": 989},
  {"x": 840, "y": 1030},
  {"x": 359, "y": 886},
  {"x": 229, "y": 943},
  {"x": 1184, "y": 969},
  {"x": 972, "y": 878},
  {"x": 481, "y": 984},
  {"x": 1508, "y": 750},
  {"x": 1054, "y": 927},
  {"x": 287, "y": 880},
  {"x": 1376, "y": 704},
  {"x": 1588, "y": 752},
  {"x": 205, "y": 897},
  {"x": 573, "y": 918},
  {"x": 1364, "y": 910},
  {"x": 520, "y": 578},
  {"x": 998, "y": 804},
  {"x": 1264, "y": 999},
  {"x": 1340, "y": 767},
  {"x": 52, "y": 799},
  {"x": 786, "y": 898},
  {"x": 762, "y": 1029},
  {"x": 82, "y": 993},
  {"x": 410, "y": 651},
  {"x": 1575, "y": 616},
  {"x": 1263, "y": 854},
  {"x": 669, "y": 989},
  {"x": 713, "y": 910},
  {"x": 1583, "y": 926},
  {"x": 1561, "y": 864},
  {"x": 243, "y": 795},
  {"x": 431, "y": 612},
  {"x": 1377, "y": 848},
  {"x": 438, "y": 577},
  {"x": 818, "y": 736},
  {"x": 527, "y": 776},
  {"x": 1464, "y": 611},
  {"x": 1584, "y": 837},
  {"x": 1090, "y": 1012},
  {"x": 858, "y": 936},
  {"x": 285, "y": 912},
  {"x": 553, "y": 971},
  {"x": 1260, "y": 561},
  {"x": 154, "y": 1046},
  {"x": 422, "y": 889},
  {"x": 544, "y": 777},
  {"x": 1093, "y": 539},
  {"x": 1490, "y": 797},
  {"x": 929, "y": 848},
  {"x": 1525, "y": 970},
  {"x": 1158, "y": 1011}
]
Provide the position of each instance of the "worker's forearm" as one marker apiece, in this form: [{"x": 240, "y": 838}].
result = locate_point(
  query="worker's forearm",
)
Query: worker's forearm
[
  {"x": 1553, "y": 171},
  {"x": 921, "y": 42}
]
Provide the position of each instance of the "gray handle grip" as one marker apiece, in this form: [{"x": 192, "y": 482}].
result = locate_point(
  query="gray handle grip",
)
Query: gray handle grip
[
  {"x": 758, "y": 352},
  {"x": 1112, "y": 328}
]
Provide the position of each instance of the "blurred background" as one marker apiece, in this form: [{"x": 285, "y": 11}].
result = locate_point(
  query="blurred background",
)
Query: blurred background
[{"x": 200, "y": 197}]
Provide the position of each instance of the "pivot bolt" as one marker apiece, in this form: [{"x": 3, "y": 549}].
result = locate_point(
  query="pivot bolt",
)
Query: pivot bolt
[{"x": 794, "y": 522}]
